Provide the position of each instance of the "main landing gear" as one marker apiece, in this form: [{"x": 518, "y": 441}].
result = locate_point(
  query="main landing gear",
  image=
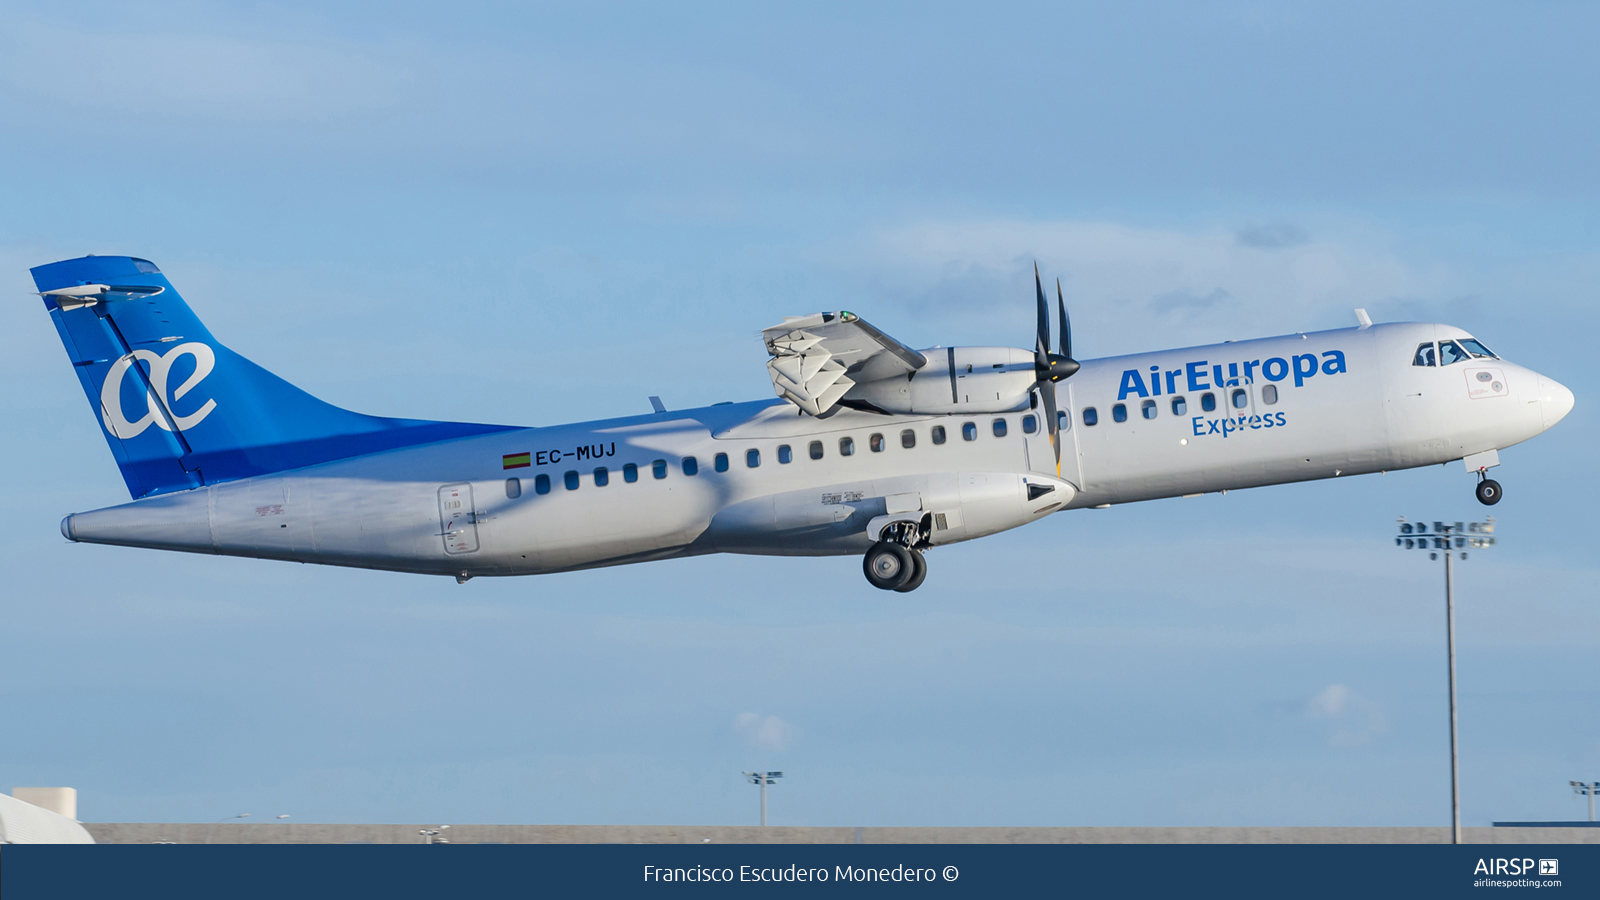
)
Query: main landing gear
[
  {"x": 895, "y": 562},
  {"x": 894, "y": 567}
]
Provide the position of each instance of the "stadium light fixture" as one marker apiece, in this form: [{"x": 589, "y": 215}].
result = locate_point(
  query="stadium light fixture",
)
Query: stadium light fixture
[
  {"x": 1586, "y": 787},
  {"x": 1449, "y": 538},
  {"x": 763, "y": 779}
]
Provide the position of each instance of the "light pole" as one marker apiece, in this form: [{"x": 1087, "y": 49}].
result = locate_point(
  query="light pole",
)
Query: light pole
[
  {"x": 763, "y": 779},
  {"x": 1450, "y": 539},
  {"x": 1586, "y": 787},
  {"x": 231, "y": 818}
]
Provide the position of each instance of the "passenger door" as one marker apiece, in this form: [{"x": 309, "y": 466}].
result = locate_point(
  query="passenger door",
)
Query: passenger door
[{"x": 458, "y": 519}]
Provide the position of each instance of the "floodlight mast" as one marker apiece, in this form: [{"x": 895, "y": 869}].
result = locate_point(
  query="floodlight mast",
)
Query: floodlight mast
[
  {"x": 763, "y": 779},
  {"x": 1448, "y": 537},
  {"x": 1586, "y": 787}
]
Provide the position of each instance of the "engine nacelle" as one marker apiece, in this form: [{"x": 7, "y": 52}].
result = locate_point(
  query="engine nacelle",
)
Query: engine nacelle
[{"x": 955, "y": 380}]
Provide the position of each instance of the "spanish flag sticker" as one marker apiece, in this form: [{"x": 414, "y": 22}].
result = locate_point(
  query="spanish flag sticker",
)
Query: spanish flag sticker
[{"x": 516, "y": 461}]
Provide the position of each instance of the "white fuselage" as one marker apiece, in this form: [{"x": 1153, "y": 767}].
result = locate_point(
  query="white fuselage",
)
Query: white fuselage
[{"x": 474, "y": 506}]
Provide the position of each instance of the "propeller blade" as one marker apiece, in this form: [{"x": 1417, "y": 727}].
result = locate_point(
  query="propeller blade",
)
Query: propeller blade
[
  {"x": 1041, "y": 351},
  {"x": 1066, "y": 324},
  {"x": 1049, "y": 366},
  {"x": 1052, "y": 422}
]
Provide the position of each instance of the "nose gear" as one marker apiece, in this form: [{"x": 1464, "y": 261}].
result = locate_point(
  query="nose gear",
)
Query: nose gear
[{"x": 1488, "y": 492}]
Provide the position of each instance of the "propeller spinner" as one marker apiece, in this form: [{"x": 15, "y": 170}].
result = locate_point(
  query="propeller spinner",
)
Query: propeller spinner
[{"x": 1048, "y": 367}]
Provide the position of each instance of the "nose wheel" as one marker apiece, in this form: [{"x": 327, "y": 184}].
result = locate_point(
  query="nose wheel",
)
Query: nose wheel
[
  {"x": 894, "y": 567},
  {"x": 1488, "y": 492}
]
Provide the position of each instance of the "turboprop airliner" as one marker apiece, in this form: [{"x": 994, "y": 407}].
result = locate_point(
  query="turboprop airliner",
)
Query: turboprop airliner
[{"x": 870, "y": 447}]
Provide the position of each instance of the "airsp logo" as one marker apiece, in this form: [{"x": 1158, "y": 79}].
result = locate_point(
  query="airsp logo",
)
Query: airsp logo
[
  {"x": 1514, "y": 866},
  {"x": 160, "y": 366}
]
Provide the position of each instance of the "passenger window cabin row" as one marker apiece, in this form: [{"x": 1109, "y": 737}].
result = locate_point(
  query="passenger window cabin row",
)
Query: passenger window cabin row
[
  {"x": 1238, "y": 398},
  {"x": 752, "y": 457}
]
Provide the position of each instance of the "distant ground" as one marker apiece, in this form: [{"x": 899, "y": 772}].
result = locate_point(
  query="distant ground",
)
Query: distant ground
[{"x": 274, "y": 833}]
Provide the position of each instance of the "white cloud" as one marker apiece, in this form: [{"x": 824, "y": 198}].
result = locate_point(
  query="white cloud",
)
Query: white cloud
[
  {"x": 1331, "y": 702},
  {"x": 1272, "y": 237},
  {"x": 1128, "y": 287},
  {"x": 1352, "y": 720},
  {"x": 414, "y": 96},
  {"x": 198, "y": 76},
  {"x": 764, "y": 732}
]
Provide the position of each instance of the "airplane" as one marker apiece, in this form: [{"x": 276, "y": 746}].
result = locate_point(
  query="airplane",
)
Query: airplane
[{"x": 870, "y": 447}]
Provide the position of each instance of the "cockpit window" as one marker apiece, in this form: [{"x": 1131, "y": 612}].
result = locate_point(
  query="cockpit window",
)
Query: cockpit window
[
  {"x": 1424, "y": 355},
  {"x": 1477, "y": 349},
  {"x": 1450, "y": 353}
]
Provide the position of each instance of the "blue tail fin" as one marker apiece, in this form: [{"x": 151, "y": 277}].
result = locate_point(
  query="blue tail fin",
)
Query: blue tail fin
[{"x": 178, "y": 408}]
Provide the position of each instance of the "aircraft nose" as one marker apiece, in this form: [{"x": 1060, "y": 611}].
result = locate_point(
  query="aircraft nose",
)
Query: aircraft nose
[{"x": 1555, "y": 400}]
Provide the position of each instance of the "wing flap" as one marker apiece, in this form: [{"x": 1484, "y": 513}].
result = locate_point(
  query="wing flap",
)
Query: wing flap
[
  {"x": 810, "y": 378},
  {"x": 817, "y": 359}
]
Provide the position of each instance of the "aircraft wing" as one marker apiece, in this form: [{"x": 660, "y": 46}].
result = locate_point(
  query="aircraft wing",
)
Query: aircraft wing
[{"x": 817, "y": 359}]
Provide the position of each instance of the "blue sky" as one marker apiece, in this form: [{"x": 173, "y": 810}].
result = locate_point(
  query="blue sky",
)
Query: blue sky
[{"x": 536, "y": 215}]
